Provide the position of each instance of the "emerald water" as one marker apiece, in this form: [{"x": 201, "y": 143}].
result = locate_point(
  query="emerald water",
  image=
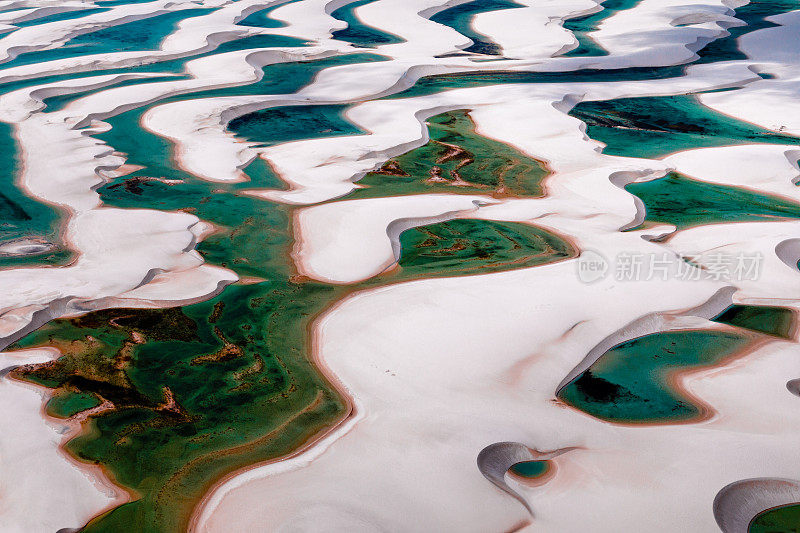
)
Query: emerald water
[
  {"x": 456, "y": 160},
  {"x": 629, "y": 383},
  {"x": 460, "y": 19},
  {"x": 171, "y": 67},
  {"x": 190, "y": 394},
  {"x": 357, "y": 32},
  {"x": 684, "y": 202},
  {"x": 154, "y": 153},
  {"x": 57, "y": 103},
  {"x": 784, "y": 519},
  {"x": 164, "y": 370},
  {"x": 64, "y": 15},
  {"x": 531, "y": 469},
  {"x": 23, "y": 219},
  {"x": 433, "y": 84},
  {"x": 754, "y": 16},
  {"x": 290, "y": 123},
  {"x": 145, "y": 34},
  {"x": 776, "y": 321},
  {"x": 282, "y": 78},
  {"x": 202, "y": 390},
  {"x": 263, "y": 18},
  {"x": 582, "y": 27},
  {"x": 236, "y": 367},
  {"x": 108, "y": 3},
  {"x": 652, "y": 127}
]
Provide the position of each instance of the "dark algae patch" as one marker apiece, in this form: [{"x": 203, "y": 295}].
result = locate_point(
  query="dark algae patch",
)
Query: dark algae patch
[
  {"x": 784, "y": 519},
  {"x": 467, "y": 246},
  {"x": 456, "y": 160},
  {"x": 290, "y": 123},
  {"x": 652, "y": 127},
  {"x": 202, "y": 390},
  {"x": 776, "y": 321},
  {"x": 629, "y": 383},
  {"x": 197, "y": 392},
  {"x": 684, "y": 202}
]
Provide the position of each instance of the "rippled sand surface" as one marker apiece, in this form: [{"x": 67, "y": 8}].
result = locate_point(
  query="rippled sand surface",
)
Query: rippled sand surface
[{"x": 399, "y": 265}]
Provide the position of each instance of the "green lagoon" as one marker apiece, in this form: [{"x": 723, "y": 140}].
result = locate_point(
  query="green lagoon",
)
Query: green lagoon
[
  {"x": 652, "y": 127},
  {"x": 684, "y": 202},
  {"x": 456, "y": 160},
  {"x": 460, "y": 17},
  {"x": 531, "y": 469},
  {"x": 196, "y": 392},
  {"x": 202, "y": 390},
  {"x": 784, "y": 519},
  {"x": 629, "y": 383},
  {"x": 357, "y": 32}
]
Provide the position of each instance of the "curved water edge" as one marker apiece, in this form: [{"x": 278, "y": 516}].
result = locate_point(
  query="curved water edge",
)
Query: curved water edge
[
  {"x": 649, "y": 324},
  {"x": 783, "y": 517},
  {"x": 638, "y": 382},
  {"x": 416, "y": 162},
  {"x": 209, "y": 344},
  {"x": 737, "y": 504},
  {"x": 495, "y": 460}
]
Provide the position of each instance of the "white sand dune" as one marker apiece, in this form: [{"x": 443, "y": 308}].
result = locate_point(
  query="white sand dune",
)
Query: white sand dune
[
  {"x": 438, "y": 369},
  {"x": 434, "y": 388},
  {"x": 53, "y": 34},
  {"x": 770, "y": 103},
  {"x": 351, "y": 241},
  {"x": 38, "y": 12},
  {"x": 130, "y": 243},
  {"x": 420, "y": 55},
  {"x": 193, "y": 36},
  {"x": 458, "y": 394},
  {"x": 42, "y": 490},
  {"x": 511, "y": 29},
  {"x": 762, "y": 168}
]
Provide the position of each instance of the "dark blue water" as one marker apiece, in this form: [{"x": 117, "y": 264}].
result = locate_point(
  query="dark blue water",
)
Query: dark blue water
[{"x": 290, "y": 123}]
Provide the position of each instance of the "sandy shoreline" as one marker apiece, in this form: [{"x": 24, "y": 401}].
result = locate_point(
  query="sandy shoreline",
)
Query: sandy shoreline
[
  {"x": 72, "y": 491},
  {"x": 433, "y": 371},
  {"x": 495, "y": 121}
]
